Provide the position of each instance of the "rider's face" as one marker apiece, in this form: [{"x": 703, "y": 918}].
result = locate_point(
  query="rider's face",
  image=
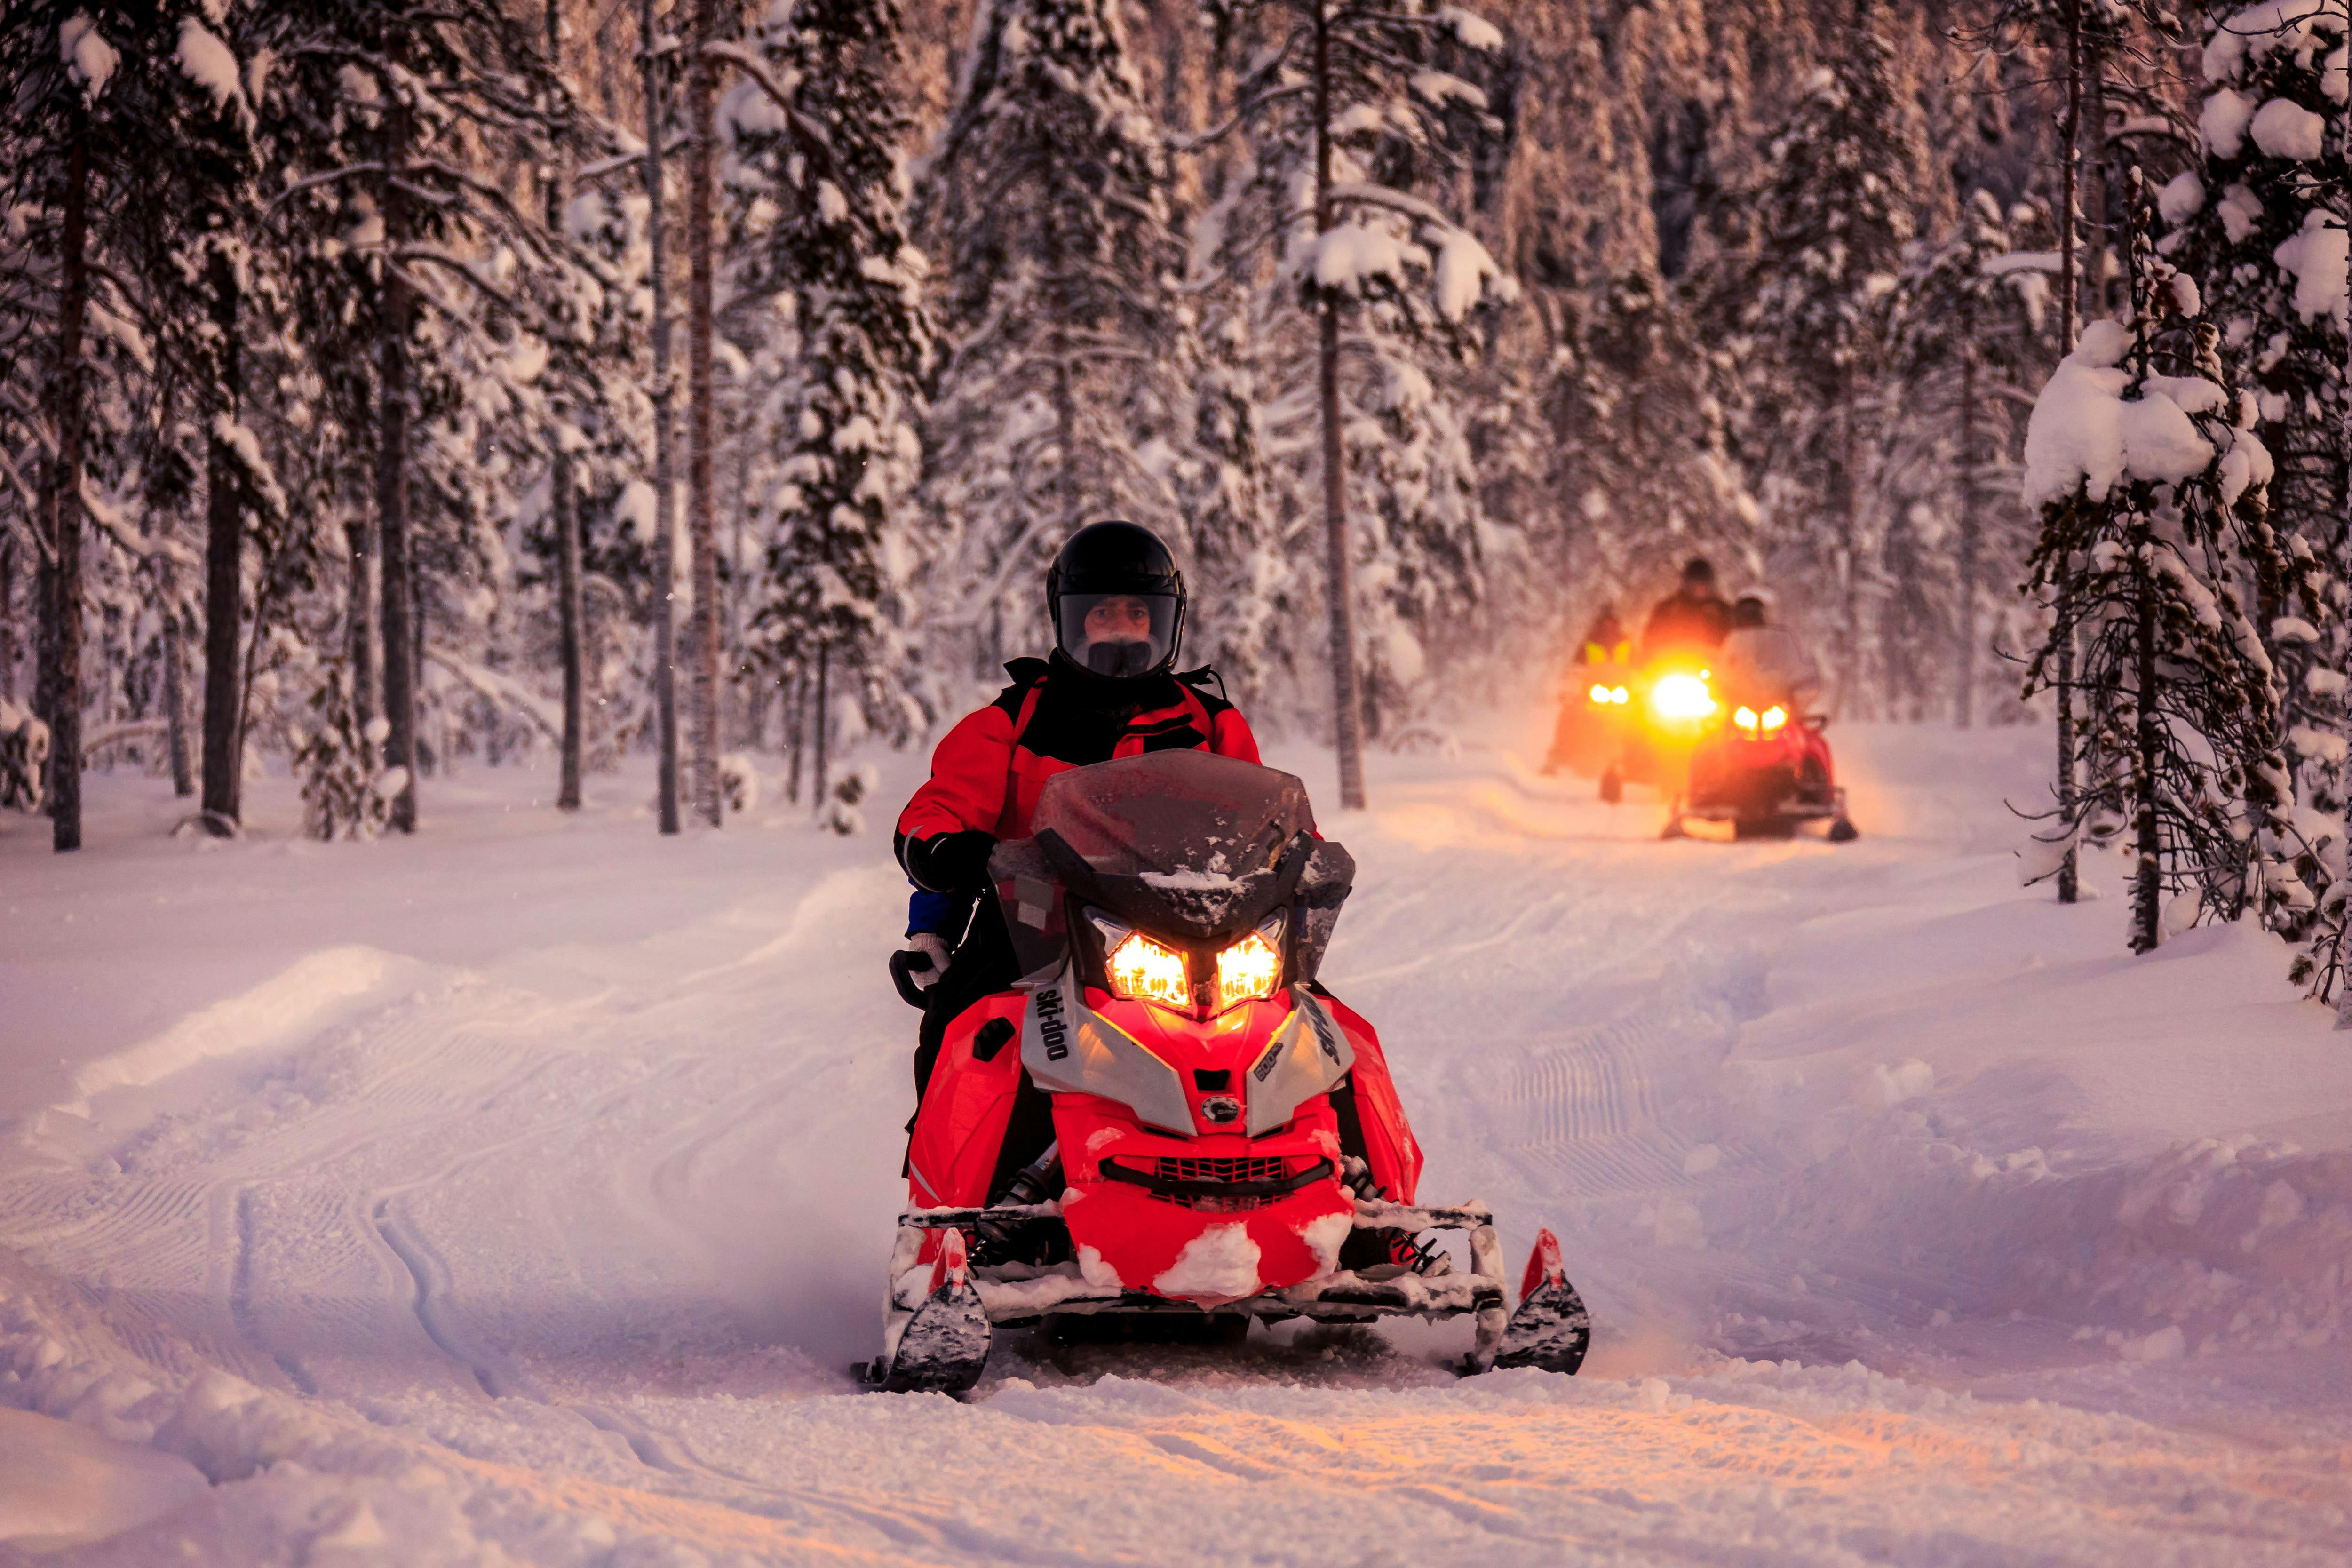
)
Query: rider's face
[{"x": 1123, "y": 618}]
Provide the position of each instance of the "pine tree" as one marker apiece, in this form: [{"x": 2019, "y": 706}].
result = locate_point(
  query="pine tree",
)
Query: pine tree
[
  {"x": 1832, "y": 216},
  {"x": 2261, "y": 225},
  {"x": 1348, "y": 108},
  {"x": 1970, "y": 326},
  {"x": 819, "y": 133},
  {"x": 1047, "y": 205},
  {"x": 2152, "y": 484},
  {"x": 383, "y": 112}
]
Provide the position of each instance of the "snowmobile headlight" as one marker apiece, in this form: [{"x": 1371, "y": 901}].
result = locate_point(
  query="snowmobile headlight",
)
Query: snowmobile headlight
[
  {"x": 1601, "y": 694},
  {"x": 1150, "y": 970},
  {"x": 1251, "y": 969},
  {"x": 1745, "y": 717},
  {"x": 1618, "y": 694},
  {"x": 1681, "y": 696},
  {"x": 1774, "y": 717}
]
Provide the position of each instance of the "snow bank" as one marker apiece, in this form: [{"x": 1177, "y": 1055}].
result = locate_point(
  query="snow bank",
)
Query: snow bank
[
  {"x": 274, "y": 1015},
  {"x": 2085, "y": 433},
  {"x": 61, "y": 1484}
]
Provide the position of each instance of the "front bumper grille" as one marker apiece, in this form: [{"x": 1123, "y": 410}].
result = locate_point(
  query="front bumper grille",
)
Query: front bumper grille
[{"x": 1220, "y": 1186}]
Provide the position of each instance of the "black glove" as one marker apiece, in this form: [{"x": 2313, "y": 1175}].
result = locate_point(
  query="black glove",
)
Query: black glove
[{"x": 952, "y": 862}]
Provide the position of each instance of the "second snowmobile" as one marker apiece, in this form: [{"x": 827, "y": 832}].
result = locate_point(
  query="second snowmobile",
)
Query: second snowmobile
[
  {"x": 1765, "y": 770},
  {"x": 1214, "y": 1158}
]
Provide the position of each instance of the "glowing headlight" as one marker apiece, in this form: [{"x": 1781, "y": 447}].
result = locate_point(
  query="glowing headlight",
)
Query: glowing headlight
[
  {"x": 1618, "y": 694},
  {"x": 1250, "y": 969},
  {"x": 1773, "y": 718},
  {"x": 1681, "y": 697},
  {"x": 1601, "y": 694},
  {"x": 1745, "y": 717},
  {"x": 1142, "y": 968}
]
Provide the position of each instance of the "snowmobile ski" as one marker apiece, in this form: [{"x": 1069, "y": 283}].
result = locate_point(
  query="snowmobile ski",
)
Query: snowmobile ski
[
  {"x": 945, "y": 1345},
  {"x": 1551, "y": 1329}
]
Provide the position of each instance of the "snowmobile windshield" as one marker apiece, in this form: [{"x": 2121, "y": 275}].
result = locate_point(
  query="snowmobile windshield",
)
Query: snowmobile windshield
[
  {"x": 1118, "y": 634},
  {"x": 1187, "y": 840}
]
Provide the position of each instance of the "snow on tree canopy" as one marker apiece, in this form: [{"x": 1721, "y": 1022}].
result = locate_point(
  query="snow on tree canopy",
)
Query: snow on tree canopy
[
  {"x": 207, "y": 62},
  {"x": 2316, "y": 256},
  {"x": 88, "y": 58},
  {"x": 2256, "y": 30},
  {"x": 2285, "y": 128},
  {"x": 2084, "y": 432},
  {"x": 2224, "y": 122},
  {"x": 2181, "y": 198}
]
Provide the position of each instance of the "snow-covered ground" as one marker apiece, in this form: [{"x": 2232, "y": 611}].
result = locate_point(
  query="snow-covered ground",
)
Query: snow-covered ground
[{"x": 521, "y": 1192}]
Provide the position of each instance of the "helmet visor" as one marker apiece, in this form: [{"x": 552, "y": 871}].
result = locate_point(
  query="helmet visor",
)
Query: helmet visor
[{"x": 1118, "y": 634}]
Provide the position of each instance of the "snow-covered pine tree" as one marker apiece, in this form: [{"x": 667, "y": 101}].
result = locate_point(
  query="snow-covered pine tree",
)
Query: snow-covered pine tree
[
  {"x": 2156, "y": 551},
  {"x": 1970, "y": 326},
  {"x": 1646, "y": 478},
  {"x": 819, "y": 133},
  {"x": 1348, "y": 107},
  {"x": 1047, "y": 207},
  {"x": 2261, "y": 225},
  {"x": 1832, "y": 217},
  {"x": 105, "y": 301},
  {"x": 387, "y": 115}
]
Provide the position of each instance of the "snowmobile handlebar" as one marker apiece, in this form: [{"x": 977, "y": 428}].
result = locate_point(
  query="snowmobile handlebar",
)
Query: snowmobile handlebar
[{"x": 904, "y": 965}]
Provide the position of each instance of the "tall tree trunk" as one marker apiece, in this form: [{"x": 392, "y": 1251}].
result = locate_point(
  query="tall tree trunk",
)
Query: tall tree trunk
[
  {"x": 753, "y": 714},
  {"x": 7, "y": 616},
  {"x": 360, "y": 597},
  {"x": 2334, "y": 973},
  {"x": 2147, "y": 741},
  {"x": 796, "y": 728},
  {"x": 1964, "y": 653},
  {"x": 1346, "y": 697},
  {"x": 225, "y": 491},
  {"x": 2070, "y": 135},
  {"x": 392, "y": 485},
  {"x": 175, "y": 682},
  {"x": 1067, "y": 498},
  {"x": 60, "y": 694},
  {"x": 665, "y": 434},
  {"x": 822, "y": 722},
  {"x": 563, "y": 507},
  {"x": 1847, "y": 499},
  {"x": 703, "y": 643}
]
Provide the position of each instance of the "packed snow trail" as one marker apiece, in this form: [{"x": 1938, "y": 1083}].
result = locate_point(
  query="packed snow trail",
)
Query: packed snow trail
[{"x": 525, "y": 1189}]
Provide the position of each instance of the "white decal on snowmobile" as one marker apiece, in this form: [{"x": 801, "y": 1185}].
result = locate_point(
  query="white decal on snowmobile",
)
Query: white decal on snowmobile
[
  {"x": 1068, "y": 1047},
  {"x": 1309, "y": 1055}
]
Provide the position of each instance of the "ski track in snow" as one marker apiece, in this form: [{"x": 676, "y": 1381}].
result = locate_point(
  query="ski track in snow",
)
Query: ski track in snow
[{"x": 549, "y": 1230}]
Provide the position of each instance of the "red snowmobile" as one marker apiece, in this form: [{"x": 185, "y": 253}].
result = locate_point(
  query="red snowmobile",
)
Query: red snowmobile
[
  {"x": 1214, "y": 1159},
  {"x": 1766, "y": 769}
]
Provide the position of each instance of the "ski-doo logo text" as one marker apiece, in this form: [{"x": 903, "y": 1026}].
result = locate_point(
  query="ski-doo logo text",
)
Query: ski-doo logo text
[
  {"x": 1051, "y": 1028},
  {"x": 1323, "y": 1035}
]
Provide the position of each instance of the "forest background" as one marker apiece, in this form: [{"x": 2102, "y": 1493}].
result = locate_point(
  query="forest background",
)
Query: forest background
[{"x": 390, "y": 387}]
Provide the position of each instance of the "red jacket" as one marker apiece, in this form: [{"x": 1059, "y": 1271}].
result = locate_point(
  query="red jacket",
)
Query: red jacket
[{"x": 987, "y": 773}]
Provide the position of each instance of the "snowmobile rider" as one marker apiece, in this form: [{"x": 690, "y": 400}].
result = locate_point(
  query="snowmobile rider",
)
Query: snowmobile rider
[
  {"x": 1109, "y": 689},
  {"x": 1605, "y": 641},
  {"x": 1761, "y": 663},
  {"x": 1692, "y": 617}
]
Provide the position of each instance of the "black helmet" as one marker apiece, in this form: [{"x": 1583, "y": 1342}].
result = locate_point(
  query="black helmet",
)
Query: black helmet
[{"x": 1121, "y": 579}]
